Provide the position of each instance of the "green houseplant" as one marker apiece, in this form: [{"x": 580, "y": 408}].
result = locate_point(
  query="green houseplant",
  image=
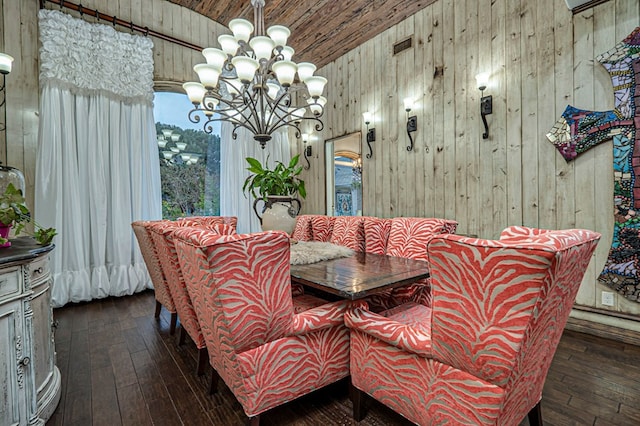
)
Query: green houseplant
[
  {"x": 278, "y": 189},
  {"x": 14, "y": 213},
  {"x": 282, "y": 180}
]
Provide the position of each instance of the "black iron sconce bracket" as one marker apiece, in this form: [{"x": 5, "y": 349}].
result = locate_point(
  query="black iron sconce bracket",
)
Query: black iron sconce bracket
[
  {"x": 371, "y": 137},
  {"x": 486, "y": 108},
  {"x": 412, "y": 126},
  {"x": 308, "y": 152}
]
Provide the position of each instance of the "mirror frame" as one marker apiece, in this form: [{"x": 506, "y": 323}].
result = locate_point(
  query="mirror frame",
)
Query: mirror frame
[{"x": 349, "y": 140}]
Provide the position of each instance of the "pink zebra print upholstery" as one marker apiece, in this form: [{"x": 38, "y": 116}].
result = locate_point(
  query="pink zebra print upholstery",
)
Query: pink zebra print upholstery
[
  {"x": 348, "y": 231},
  {"x": 161, "y": 233},
  {"x": 150, "y": 256},
  {"x": 409, "y": 237},
  {"x": 213, "y": 220},
  {"x": 480, "y": 353},
  {"x": 265, "y": 352},
  {"x": 302, "y": 230},
  {"x": 322, "y": 227},
  {"x": 376, "y": 234}
]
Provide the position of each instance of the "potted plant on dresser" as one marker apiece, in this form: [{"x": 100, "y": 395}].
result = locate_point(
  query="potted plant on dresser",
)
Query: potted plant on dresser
[
  {"x": 14, "y": 214},
  {"x": 278, "y": 189}
]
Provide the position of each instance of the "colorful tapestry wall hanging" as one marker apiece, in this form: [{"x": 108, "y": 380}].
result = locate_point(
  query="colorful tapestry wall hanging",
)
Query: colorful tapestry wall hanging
[{"x": 578, "y": 130}]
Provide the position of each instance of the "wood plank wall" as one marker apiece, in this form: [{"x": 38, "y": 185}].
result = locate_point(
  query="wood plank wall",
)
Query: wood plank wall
[{"x": 540, "y": 56}]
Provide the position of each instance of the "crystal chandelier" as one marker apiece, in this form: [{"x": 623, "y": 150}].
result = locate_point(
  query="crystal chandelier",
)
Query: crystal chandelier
[{"x": 251, "y": 82}]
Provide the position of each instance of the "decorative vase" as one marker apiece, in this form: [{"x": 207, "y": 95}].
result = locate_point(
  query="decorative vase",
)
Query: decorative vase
[
  {"x": 4, "y": 233},
  {"x": 278, "y": 213}
]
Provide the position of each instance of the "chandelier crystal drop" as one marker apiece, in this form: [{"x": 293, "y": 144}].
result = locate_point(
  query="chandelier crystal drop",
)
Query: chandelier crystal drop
[{"x": 252, "y": 82}]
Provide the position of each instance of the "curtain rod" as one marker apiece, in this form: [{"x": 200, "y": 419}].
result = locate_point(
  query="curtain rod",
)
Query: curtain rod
[{"x": 117, "y": 21}]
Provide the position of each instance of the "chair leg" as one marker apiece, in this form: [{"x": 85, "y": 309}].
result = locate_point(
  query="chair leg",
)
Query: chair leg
[
  {"x": 535, "y": 415},
  {"x": 357, "y": 400},
  {"x": 173, "y": 323},
  {"x": 253, "y": 421},
  {"x": 158, "y": 307},
  {"x": 182, "y": 336},
  {"x": 203, "y": 360},
  {"x": 213, "y": 386}
]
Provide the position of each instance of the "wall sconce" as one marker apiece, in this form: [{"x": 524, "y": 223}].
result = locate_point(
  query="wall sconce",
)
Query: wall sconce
[
  {"x": 5, "y": 68},
  {"x": 412, "y": 122},
  {"x": 307, "y": 151},
  {"x": 371, "y": 133},
  {"x": 486, "y": 102}
]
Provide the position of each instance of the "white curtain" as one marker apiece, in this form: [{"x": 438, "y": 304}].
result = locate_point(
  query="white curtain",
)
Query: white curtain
[
  {"x": 233, "y": 172},
  {"x": 97, "y": 162}
]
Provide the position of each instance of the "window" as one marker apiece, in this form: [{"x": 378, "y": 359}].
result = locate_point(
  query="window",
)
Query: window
[{"x": 189, "y": 160}]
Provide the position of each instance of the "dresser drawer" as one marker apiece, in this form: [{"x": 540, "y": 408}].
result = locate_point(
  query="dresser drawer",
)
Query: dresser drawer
[
  {"x": 9, "y": 282},
  {"x": 39, "y": 270}
]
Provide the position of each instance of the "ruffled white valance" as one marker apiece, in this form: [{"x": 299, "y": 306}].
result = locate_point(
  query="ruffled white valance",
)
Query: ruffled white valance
[{"x": 94, "y": 58}]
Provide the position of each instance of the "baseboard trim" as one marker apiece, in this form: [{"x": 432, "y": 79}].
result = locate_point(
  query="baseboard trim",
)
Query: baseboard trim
[{"x": 599, "y": 324}]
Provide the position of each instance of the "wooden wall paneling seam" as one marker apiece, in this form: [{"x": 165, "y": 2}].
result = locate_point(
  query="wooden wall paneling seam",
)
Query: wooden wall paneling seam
[
  {"x": 395, "y": 129},
  {"x": 529, "y": 34},
  {"x": 423, "y": 65},
  {"x": 514, "y": 117},
  {"x": 584, "y": 64},
  {"x": 459, "y": 117},
  {"x": 604, "y": 17},
  {"x": 563, "y": 63},
  {"x": 388, "y": 94},
  {"x": 367, "y": 103},
  {"x": 499, "y": 121},
  {"x": 546, "y": 114},
  {"x": 405, "y": 160},
  {"x": 472, "y": 140},
  {"x": 486, "y": 62},
  {"x": 3, "y": 115},
  {"x": 25, "y": 156},
  {"x": 381, "y": 122},
  {"x": 437, "y": 75},
  {"x": 449, "y": 51}
]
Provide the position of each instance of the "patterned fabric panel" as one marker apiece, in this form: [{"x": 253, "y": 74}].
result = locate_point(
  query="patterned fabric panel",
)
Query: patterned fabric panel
[
  {"x": 250, "y": 273},
  {"x": 401, "y": 334},
  {"x": 302, "y": 230},
  {"x": 521, "y": 232},
  {"x": 150, "y": 256},
  {"x": 574, "y": 251},
  {"x": 241, "y": 293},
  {"x": 409, "y": 236},
  {"x": 483, "y": 295},
  {"x": 348, "y": 231},
  {"x": 376, "y": 234},
  {"x": 419, "y": 292},
  {"x": 161, "y": 233},
  {"x": 286, "y": 369},
  {"x": 213, "y": 220},
  {"x": 322, "y": 227},
  {"x": 423, "y": 390}
]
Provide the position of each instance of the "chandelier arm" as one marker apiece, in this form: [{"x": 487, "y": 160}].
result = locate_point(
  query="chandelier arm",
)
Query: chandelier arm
[{"x": 194, "y": 117}]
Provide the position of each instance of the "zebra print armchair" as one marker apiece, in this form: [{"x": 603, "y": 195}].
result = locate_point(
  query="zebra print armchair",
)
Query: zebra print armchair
[{"x": 480, "y": 352}]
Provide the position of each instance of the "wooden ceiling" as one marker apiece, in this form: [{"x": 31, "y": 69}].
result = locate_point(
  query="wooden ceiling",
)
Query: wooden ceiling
[{"x": 321, "y": 30}]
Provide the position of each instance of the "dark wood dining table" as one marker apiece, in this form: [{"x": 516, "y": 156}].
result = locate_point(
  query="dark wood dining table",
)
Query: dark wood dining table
[{"x": 359, "y": 275}]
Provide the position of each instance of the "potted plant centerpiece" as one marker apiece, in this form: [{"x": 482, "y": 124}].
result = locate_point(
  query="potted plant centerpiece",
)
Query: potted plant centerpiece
[
  {"x": 277, "y": 188},
  {"x": 14, "y": 213}
]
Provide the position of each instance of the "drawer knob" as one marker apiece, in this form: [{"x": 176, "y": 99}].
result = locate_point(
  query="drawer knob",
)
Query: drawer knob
[
  {"x": 25, "y": 361},
  {"x": 38, "y": 271}
]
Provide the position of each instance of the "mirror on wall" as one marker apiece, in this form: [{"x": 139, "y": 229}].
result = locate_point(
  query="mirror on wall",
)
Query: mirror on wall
[{"x": 344, "y": 175}]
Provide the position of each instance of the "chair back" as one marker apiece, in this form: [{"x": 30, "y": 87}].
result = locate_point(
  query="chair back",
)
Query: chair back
[
  {"x": 409, "y": 236},
  {"x": 348, "y": 231},
  {"x": 231, "y": 221},
  {"x": 150, "y": 256},
  {"x": 499, "y": 307},
  {"x": 241, "y": 285}
]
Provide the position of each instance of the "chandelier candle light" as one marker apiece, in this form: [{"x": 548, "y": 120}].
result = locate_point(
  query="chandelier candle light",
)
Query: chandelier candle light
[{"x": 250, "y": 82}]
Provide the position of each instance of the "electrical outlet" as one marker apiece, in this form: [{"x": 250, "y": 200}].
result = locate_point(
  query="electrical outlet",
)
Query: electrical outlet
[{"x": 607, "y": 298}]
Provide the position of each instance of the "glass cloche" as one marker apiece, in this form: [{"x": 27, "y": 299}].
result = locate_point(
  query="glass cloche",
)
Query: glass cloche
[{"x": 11, "y": 175}]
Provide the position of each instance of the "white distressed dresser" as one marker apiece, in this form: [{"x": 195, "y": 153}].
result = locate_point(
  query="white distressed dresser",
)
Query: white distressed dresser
[{"x": 29, "y": 378}]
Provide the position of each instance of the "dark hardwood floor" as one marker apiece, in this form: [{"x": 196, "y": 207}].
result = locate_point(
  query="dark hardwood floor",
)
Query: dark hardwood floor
[{"x": 120, "y": 367}]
